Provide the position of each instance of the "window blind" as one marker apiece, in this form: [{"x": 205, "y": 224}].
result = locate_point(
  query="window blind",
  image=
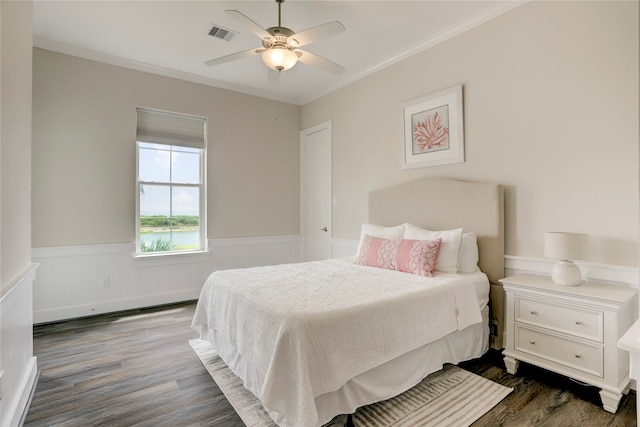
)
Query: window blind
[{"x": 161, "y": 127}]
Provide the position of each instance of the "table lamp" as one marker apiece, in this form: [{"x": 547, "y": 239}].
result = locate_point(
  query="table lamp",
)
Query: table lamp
[{"x": 565, "y": 247}]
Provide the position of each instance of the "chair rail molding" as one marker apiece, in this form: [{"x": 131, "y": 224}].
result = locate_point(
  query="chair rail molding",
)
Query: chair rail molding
[
  {"x": 598, "y": 272},
  {"x": 515, "y": 264}
]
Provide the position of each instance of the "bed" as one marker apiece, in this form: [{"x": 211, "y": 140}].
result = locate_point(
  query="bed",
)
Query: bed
[{"x": 318, "y": 339}]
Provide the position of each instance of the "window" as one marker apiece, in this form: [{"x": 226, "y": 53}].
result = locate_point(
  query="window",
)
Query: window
[{"x": 170, "y": 183}]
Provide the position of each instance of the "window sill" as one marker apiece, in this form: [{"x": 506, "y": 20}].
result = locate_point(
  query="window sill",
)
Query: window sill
[{"x": 168, "y": 258}]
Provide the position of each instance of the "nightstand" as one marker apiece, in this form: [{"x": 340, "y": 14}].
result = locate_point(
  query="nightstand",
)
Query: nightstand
[{"x": 571, "y": 330}]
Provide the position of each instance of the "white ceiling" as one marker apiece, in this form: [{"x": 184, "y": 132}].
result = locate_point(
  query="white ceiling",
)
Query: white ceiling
[{"x": 171, "y": 37}]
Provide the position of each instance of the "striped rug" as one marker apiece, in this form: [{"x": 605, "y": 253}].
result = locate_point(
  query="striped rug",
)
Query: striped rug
[{"x": 450, "y": 397}]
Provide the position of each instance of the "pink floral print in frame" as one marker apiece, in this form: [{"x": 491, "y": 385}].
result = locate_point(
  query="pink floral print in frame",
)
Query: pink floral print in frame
[
  {"x": 430, "y": 130},
  {"x": 434, "y": 129}
]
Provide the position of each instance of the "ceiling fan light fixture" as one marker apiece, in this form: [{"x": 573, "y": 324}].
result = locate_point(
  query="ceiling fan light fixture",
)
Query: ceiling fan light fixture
[
  {"x": 279, "y": 58},
  {"x": 280, "y": 44}
]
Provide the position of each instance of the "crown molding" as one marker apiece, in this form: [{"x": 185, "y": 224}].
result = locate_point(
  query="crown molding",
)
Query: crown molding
[
  {"x": 438, "y": 38},
  {"x": 153, "y": 69}
]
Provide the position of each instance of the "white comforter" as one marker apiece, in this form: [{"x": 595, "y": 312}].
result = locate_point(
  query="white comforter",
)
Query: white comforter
[{"x": 310, "y": 327}]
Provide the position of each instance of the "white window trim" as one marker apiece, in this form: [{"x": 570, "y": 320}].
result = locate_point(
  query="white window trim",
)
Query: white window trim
[{"x": 203, "y": 251}]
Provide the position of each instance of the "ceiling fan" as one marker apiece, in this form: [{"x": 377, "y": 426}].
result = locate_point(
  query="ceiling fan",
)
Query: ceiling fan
[{"x": 280, "y": 44}]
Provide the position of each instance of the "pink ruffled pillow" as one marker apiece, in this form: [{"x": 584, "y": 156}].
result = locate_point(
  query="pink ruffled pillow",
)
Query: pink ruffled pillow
[{"x": 411, "y": 256}]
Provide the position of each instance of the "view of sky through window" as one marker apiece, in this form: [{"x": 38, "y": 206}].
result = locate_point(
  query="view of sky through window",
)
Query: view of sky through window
[{"x": 165, "y": 164}]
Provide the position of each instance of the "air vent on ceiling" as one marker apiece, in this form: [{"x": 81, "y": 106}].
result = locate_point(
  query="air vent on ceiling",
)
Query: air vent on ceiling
[{"x": 221, "y": 33}]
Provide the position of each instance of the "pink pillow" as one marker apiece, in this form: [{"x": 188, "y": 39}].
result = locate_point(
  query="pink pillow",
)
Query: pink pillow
[{"x": 411, "y": 256}]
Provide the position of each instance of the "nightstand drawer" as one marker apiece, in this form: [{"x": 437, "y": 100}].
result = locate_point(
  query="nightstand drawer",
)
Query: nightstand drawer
[
  {"x": 570, "y": 320},
  {"x": 577, "y": 355}
]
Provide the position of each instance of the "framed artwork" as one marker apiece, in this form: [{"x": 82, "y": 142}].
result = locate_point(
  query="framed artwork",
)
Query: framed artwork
[{"x": 433, "y": 129}]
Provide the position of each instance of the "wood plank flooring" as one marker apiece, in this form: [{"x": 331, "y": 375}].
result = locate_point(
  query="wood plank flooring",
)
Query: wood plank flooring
[{"x": 136, "y": 368}]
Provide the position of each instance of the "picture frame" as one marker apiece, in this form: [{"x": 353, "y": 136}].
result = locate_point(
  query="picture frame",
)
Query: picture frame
[{"x": 434, "y": 129}]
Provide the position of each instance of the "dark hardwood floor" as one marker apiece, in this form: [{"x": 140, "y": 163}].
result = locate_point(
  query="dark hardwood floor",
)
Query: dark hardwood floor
[{"x": 137, "y": 368}]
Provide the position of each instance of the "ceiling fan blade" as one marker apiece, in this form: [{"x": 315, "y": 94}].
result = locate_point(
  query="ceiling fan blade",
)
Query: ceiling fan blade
[
  {"x": 249, "y": 24},
  {"x": 318, "y": 32},
  {"x": 233, "y": 57},
  {"x": 319, "y": 62}
]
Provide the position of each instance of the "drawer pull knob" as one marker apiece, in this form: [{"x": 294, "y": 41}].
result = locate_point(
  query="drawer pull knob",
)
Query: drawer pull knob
[
  {"x": 532, "y": 342},
  {"x": 534, "y": 312},
  {"x": 578, "y": 322},
  {"x": 578, "y": 356}
]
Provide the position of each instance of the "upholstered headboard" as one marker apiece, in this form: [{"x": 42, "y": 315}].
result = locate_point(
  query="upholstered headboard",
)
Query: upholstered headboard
[{"x": 443, "y": 203}]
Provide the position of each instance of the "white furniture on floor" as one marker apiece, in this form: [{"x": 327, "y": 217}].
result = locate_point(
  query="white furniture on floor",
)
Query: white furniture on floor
[
  {"x": 571, "y": 330},
  {"x": 630, "y": 342}
]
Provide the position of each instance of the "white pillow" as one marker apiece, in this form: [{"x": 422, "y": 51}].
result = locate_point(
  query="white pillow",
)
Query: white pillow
[
  {"x": 373, "y": 230},
  {"x": 468, "y": 254},
  {"x": 448, "y": 255}
]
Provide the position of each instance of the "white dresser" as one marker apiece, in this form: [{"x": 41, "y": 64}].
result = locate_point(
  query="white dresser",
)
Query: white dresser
[{"x": 571, "y": 330}]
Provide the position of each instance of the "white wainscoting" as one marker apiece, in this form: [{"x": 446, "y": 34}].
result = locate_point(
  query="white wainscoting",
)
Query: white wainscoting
[
  {"x": 343, "y": 247},
  {"x": 80, "y": 281},
  {"x": 18, "y": 366},
  {"x": 514, "y": 265}
]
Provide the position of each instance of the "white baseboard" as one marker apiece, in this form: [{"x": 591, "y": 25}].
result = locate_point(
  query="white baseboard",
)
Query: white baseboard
[
  {"x": 26, "y": 390},
  {"x": 110, "y": 306}
]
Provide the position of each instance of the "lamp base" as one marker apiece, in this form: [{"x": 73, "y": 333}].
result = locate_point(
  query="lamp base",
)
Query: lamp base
[{"x": 566, "y": 273}]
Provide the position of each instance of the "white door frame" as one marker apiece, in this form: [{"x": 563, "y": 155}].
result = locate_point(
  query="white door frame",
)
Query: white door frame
[{"x": 303, "y": 180}]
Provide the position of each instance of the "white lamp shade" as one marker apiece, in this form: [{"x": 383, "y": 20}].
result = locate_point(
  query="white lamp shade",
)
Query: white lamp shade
[
  {"x": 279, "y": 58},
  {"x": 565, "y": 246}
]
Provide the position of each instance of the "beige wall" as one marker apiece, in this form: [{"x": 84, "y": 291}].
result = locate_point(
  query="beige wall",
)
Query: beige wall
[
  {"x": 84, "y": 120},
  {"x": 18, "y": 366},
  {"x": 551, "y": 112},
  {"x": 15, "y": 141}
]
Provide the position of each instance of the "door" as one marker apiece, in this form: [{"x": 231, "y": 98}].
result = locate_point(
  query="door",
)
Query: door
[{"x": 315, "y": 172}]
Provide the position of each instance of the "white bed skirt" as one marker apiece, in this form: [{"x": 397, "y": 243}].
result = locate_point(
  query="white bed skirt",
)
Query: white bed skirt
[{"x": 380, "y": 383}]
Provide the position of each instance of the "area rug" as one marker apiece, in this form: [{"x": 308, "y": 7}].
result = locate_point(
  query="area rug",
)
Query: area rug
[{"x": 450, "y": 397}]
